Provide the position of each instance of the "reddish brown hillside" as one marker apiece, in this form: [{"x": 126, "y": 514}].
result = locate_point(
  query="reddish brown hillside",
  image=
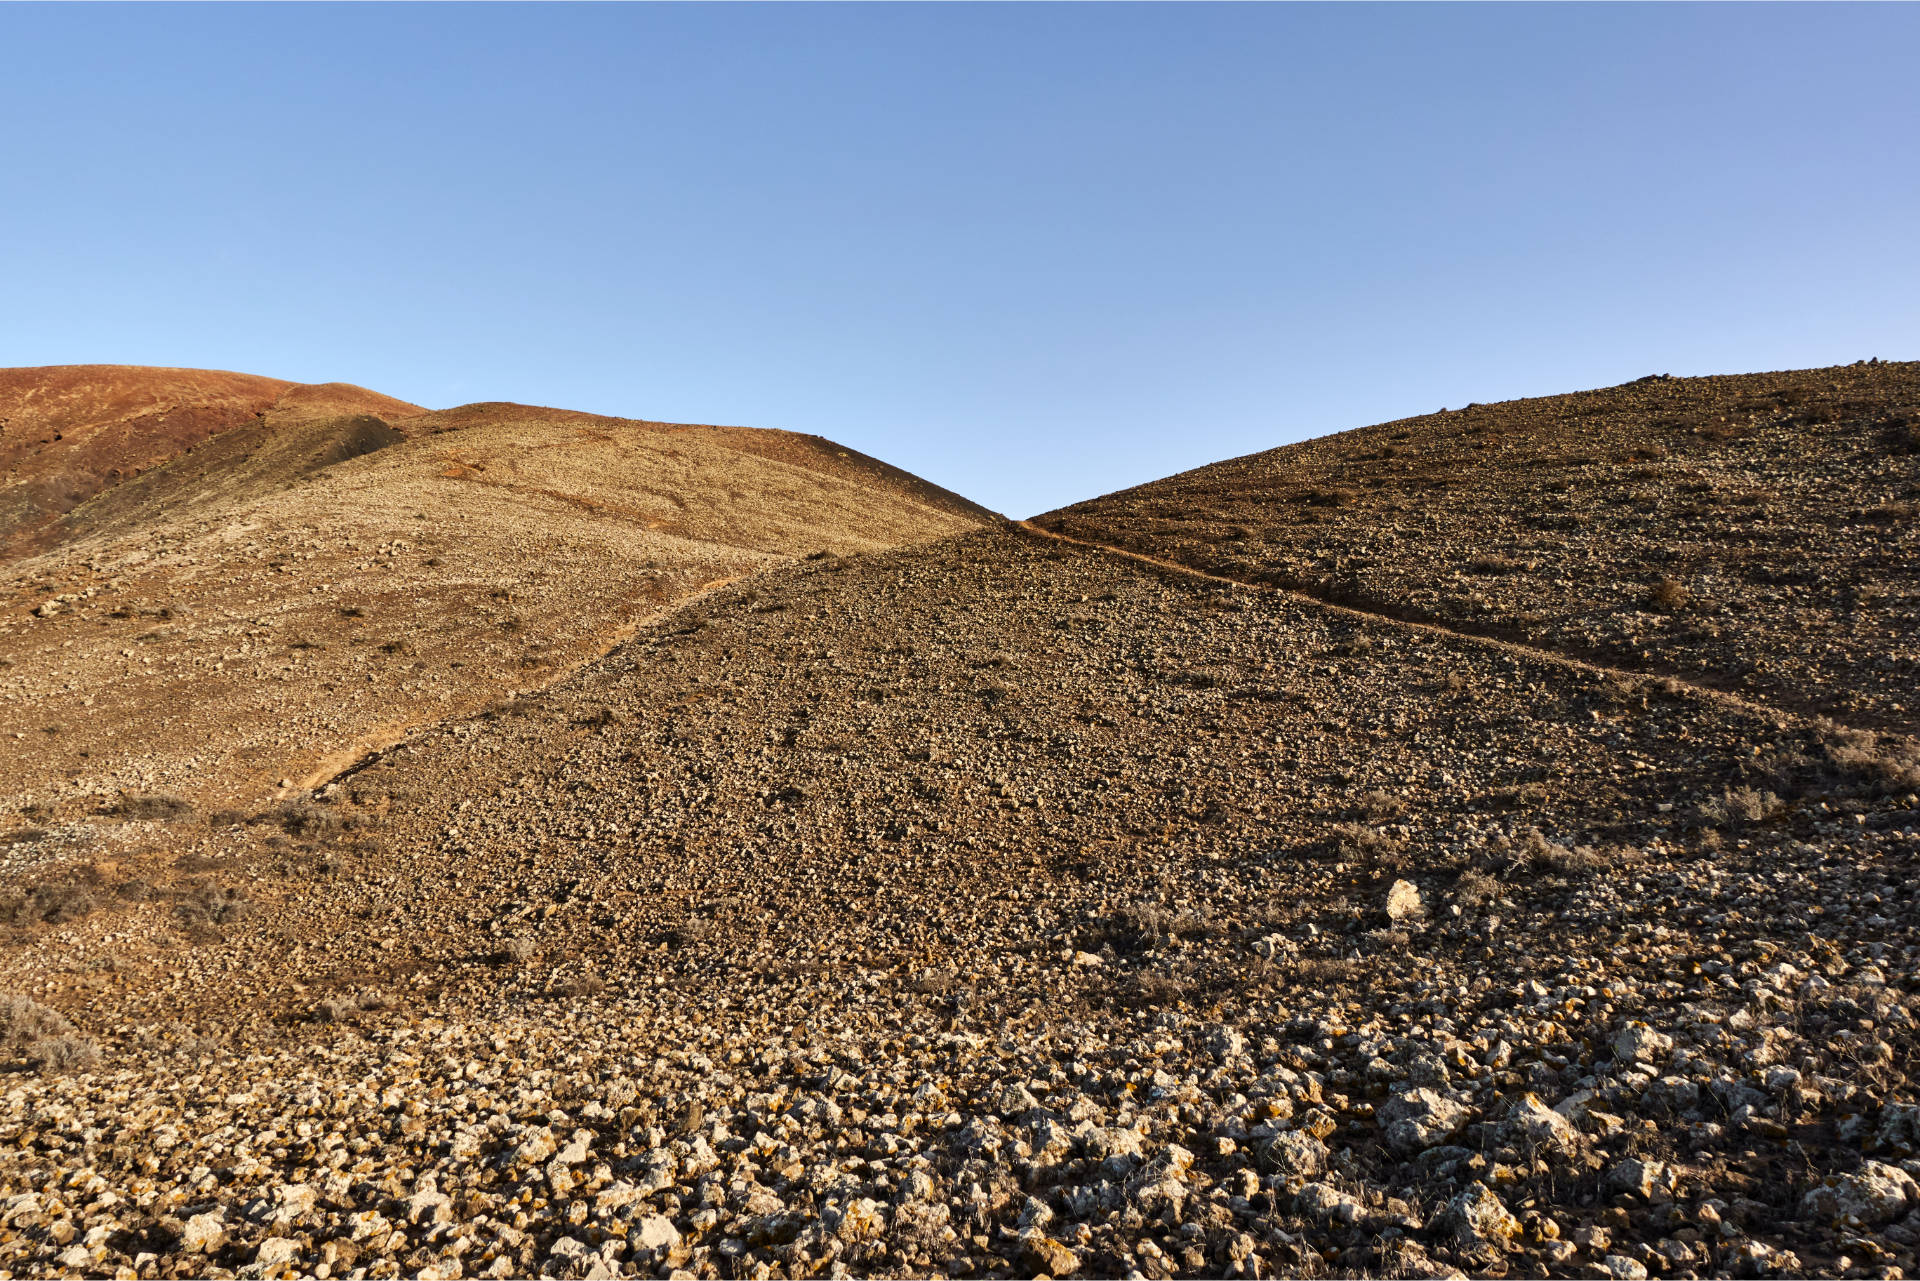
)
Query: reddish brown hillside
[{"x": 69, "y": 432}]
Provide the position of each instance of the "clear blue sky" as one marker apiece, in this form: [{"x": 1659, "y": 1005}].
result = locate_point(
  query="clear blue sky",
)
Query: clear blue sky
[{"x": 1034, "y": 253}]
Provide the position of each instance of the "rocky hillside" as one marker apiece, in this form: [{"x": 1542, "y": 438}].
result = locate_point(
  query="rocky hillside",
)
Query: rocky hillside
[
  {"x": 996, "y": 905},
  {"x": 1757, "y": 533},
  {"x": 265, "y": 606}
]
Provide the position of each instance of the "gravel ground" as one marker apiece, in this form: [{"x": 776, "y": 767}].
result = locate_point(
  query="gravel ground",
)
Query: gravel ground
[
  {"x": 260, "y": 611},
  {"x": 1758, "y": 533},
  {"x": 997, "y": 907}
]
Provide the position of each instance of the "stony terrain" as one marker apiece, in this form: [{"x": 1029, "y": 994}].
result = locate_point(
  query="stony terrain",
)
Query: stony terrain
[
  {"x": 995, "y": 906},
  {"x": 262, "y": 609},
  {"x": 1758, "y": 533}
]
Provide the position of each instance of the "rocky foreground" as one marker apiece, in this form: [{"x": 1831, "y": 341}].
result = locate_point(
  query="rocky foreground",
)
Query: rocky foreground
[{"x": 995, "y": 908}]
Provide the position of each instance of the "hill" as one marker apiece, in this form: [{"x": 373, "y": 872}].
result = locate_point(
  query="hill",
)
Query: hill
[
  {"x": 70, "y": 432},
  {"x": 1759, "y": 533},
  {"x": 294, "y": 590},
  {"x": 997, "y": 905}
]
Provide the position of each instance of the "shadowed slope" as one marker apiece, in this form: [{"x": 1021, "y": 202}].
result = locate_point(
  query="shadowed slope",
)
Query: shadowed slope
[{"x": 1757, "y": 533}]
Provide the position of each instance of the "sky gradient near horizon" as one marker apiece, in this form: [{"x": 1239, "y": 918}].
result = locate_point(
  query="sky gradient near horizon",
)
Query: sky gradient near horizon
[{"x": 1033, "y": 253}]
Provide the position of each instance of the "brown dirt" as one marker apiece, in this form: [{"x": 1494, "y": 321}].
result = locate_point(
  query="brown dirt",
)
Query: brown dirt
[
  {"x": 321, "y": 576},
  {"x": 986, "y": 905},
  {"x": 1760, "y": 533},
  {"x": 69, "y": 432}
]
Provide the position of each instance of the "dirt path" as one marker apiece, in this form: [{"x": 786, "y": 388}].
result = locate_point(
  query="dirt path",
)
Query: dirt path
[
  {"x": 1723, "y": 698},
  {"x": 346, "y": 759}
]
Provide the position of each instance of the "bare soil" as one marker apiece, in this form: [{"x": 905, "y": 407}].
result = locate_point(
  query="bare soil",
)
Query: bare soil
[{"x": 999, "y": 904}]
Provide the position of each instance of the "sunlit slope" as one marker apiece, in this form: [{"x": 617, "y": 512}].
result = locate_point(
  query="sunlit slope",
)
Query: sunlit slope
[{"x": 321, "y": 578}]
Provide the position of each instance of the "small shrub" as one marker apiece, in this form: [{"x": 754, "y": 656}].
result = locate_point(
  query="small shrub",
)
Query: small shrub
[
  {"x": 1321, "y": 973},
  {"x": 43, "y": 1036},
  {"x": 1575, "y": 860},
  {"x": 151, "y": 805},
  {"x": 1669, "y": 594},
  {"x": 1140, "y": 927},
  {"x": 313, "y": 822},
  {"x": 689, "y": 932},
  {"x": 933, "y": 982},
  {"x": 332, "y": 1010},
  {"x": 1740, "y": 807},
  {"x": 1377, "y": 805},
  {"x": 48, "y": 904},
  {"x": 1473, "y": 888},
  {"x": 1147, "y": 988},
  {"x": 1359, "y": 841},
  {"x": 1890, "y": 767},
  {"x": 64, "y": 1054},
  {"x": 204, "y": 905}
]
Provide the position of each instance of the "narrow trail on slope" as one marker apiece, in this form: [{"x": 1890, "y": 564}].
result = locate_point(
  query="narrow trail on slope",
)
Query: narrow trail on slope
[
  {"x": 1706, "y": 693},
  {"x": 367, "y": 747}
]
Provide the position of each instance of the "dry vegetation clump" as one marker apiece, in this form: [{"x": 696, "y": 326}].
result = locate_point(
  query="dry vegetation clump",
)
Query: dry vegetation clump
[
  {"x": 1887, "y": 764},
  {"x": 1144, "y": 926},
  {"x": 515, "y": 951},
  {"x": 151, "y": 805},
  {"x": 203, "y": 907},
  {"x": 43, "y": 1036},
  {"x": 1379, "y": 805},
  {"x": 1669, "y": 594},
  {"x": 1474, "y": 888},
  {"x": 1358, "y": 841},
  {"x": 1741, "y": 807},
  {"x": 50, "y": 903},
  {"x": 312, "y": 821}
]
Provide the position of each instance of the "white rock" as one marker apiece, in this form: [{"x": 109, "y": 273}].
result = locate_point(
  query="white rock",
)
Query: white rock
[
  {"x": 1533, "y": 1122},
  {"x": 204, "y": 1233},
  {"x": 1479, "y": 1218},
  {"x": 1324, "y": 1202},
  {"x": 1638, "y": 1043},
  {"x": 292, "y": 1200},
  {"x": 654, "y": 1232},
  {"x": 1294, "y": 1156},
  {"x": 1874, "y": 1194},
  {"x": 1636, "y": 1177},
  {"x": 1417, "y": 1119},
  {"x": 275, "y": 1251}
]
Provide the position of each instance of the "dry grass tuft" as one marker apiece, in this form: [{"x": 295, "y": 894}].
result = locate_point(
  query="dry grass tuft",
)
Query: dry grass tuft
[
  {"x": 43, "y": 1036},
  {"x": 150, "y": 805},
  {"x": 1741, "y": 807},
  {"x": 1668, "y": 595}
]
